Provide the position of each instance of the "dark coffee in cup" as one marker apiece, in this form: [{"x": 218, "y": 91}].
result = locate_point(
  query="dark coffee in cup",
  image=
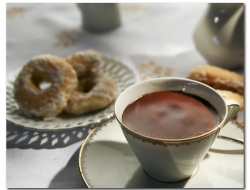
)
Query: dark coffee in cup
[{"x": 170, "y": 115}]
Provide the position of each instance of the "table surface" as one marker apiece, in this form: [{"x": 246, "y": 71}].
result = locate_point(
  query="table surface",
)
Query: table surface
[{"x": 49, "y": 159}]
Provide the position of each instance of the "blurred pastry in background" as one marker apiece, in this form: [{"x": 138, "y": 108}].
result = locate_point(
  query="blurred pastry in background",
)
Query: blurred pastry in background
[
  {"x": 228, "y": 95},
  {"x": 218, "y": 78}
]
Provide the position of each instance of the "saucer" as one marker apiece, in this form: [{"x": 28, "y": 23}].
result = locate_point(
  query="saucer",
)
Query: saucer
[{"x": 107, "y": 161}]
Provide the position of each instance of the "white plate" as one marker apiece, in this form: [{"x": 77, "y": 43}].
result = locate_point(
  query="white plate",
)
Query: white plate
[
  {"x": 107, "y": 161},
  {"x": 123, "y": 76}
]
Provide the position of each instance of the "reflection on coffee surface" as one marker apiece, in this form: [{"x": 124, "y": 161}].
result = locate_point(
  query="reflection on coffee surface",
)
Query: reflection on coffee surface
[{"x": 170, "y": 115}]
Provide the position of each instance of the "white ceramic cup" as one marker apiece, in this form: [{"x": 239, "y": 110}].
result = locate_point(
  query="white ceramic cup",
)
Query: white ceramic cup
[{"x": 171, "y": 160}]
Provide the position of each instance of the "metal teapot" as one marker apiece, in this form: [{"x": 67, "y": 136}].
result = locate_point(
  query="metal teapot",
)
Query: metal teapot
[{"x": 219, "y": 35}]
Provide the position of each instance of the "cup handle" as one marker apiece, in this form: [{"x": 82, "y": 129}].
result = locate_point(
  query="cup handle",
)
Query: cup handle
[{"x": 234, "y": 108}]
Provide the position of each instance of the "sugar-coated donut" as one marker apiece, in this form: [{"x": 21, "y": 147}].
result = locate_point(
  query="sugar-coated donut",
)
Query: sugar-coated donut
[
  {"x": 95, "y": 91},
  {"x": 229, "y": 95},
  {"x": 35, "y": 100},
  {"x": 218, "y": 78},
  {"x": 84, "y": 61}
]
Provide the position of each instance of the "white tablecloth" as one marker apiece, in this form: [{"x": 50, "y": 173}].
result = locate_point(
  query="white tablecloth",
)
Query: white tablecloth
[{"x": 160, "y": 32}]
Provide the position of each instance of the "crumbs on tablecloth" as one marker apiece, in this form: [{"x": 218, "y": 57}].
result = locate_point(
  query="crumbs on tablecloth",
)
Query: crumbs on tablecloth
[
  {"x": 135, "y": 8},
  {"x": 66, "y": 38},
  {"x": 240, "y": 124},
  {"x": 153, "y": 70},
  {"x": 15, "y": 12}
]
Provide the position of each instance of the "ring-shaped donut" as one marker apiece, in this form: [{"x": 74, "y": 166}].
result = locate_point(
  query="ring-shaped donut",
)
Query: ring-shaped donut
[
  {"x": 84, "y": 61},
  {"x": 61, "y": 81},
  {"x": 95, "y": 91}
]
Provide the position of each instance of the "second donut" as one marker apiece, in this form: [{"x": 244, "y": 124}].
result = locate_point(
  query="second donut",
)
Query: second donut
[{"x": 95, "y": 91}]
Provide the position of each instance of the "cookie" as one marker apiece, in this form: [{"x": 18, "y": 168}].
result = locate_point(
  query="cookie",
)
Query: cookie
[
  {"x": 229, "y": 95},
  {"x": 218, "y": 78}
]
